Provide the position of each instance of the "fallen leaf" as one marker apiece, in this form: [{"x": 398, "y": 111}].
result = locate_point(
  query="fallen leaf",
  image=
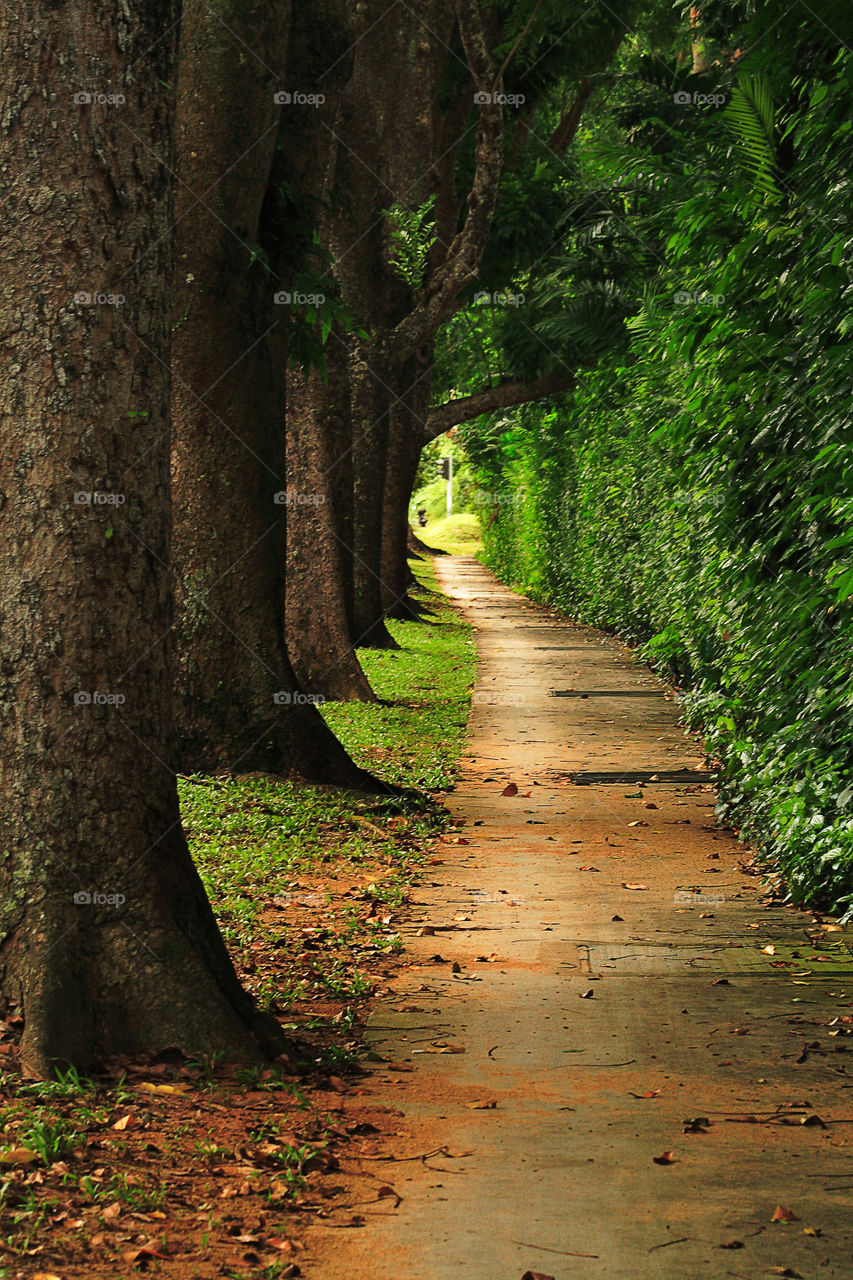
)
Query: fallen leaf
[
  {"x": 650, "y": 804},
  {"x": 814, "y": 1122},
  {"x": 510, "y": 790},
  {"x": 785, "y": 1271},
  {"x": 733, "y": 1244},
  {"x": 47, "y": 1275},
  {"x": 586, "y": 995},
  {"x": 536, "y": 1275},
  {"x": 619, "y": 918},
  {"x": 720, "y": 982},
  {"x": 588, "y": 868},
  {"x": 18, "y": 1155},
  {"x": 812, "y": 1231},
  {"x": 769, "y": 950},
  {"x": 148, "y": 1087},
  {"x": 627, "y": 884},
  {"x": 652, "y": 1094},
  {"x": 638, "y": 823},
  {"x": 666, "y": 1157},
  {"x": 123, "y": 1123},
  {"x": 487, "y": 1104},
  {"x": 782, "y": 1214}
]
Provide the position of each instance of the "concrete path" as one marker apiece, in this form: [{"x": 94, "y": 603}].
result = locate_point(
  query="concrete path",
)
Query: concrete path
[{"x": 640, "y": 1057}]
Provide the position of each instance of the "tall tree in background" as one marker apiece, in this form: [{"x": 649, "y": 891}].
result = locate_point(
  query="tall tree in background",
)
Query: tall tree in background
[
  {"x": 107, "y": 941},
  {"x": 238, "y": 699}
]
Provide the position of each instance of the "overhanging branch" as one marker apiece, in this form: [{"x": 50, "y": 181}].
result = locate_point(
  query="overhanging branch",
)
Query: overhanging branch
[{"x": 501, "y": 396}]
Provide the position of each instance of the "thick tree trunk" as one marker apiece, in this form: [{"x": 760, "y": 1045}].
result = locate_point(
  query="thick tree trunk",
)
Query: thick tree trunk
[
  {"x": 370, "y": 418},
  {"x": 107, "y": 941},
  {"x": 239, "y": 703},
  {"x": 404, "y": 449},
  {"x": 319, "y": 427},
  {"x": 318, "y": 624}
]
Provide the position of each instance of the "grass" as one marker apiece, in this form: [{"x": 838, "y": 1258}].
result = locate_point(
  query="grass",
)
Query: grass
[
  {"x": 307, "y": 885},
  {"x": 458, "y": 534},
  {"x": 414, "y": 737}
]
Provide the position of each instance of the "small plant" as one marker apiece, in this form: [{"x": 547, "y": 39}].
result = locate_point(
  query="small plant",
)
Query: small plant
[{"x": 50, "y": 1136}]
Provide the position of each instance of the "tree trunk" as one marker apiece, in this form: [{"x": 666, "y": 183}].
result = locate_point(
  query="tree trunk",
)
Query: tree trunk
[
  {"x": 319, "y": 427},
  {"x": 239, "y": 703},
  {"x": 404, "y": 450},
  {"x": 107, "y": 941},
  {"x": 370, "y": 418},
  {"x": 318, "y": 624}
]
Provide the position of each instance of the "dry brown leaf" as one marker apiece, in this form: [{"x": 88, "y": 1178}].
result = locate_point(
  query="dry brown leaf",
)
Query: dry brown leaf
[
  {"x": 666, "y": 1157},
  {"x": 783, "y": 1214},
  {"x": 487, "y": 1104},
  {"x": 18, "y": 1155},
  {"x": 628, "y": 884},
  {"x": 510, "y": 790},
  {"x": 123, "y": 1123}
]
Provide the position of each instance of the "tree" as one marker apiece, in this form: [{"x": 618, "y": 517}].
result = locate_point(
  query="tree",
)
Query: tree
[
  {"x": 107, "y": 941},
  {"x": 239, "y": 703}
]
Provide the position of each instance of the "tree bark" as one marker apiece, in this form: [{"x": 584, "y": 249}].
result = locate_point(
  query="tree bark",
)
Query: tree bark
[
  {"x": 318, "y": 620},
  {"x": 107, "y": 941},
  {"x": 404, "y": 449},
  {"x": 239, "y": 703},
  {"x": 319, "y": 615},
  {"x": 501, "y": 396}
]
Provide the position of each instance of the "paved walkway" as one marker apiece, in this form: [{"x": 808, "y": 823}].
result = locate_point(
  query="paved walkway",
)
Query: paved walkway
[{"x": 650, "y": 1064}]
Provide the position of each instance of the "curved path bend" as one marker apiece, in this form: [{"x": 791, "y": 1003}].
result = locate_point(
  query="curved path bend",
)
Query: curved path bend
[{"x": 613, "y": 988}]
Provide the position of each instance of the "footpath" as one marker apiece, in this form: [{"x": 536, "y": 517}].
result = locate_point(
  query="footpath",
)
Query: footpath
[{"x": 612, "y": 1056}]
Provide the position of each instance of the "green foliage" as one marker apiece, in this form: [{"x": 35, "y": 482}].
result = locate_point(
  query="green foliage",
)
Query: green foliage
[
  {"x": 694, "y": 492},
  {"x": 411, "y": 235}
]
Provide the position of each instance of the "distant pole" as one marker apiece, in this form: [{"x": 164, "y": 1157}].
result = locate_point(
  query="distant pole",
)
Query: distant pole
[{"x": 450, "y": 485}]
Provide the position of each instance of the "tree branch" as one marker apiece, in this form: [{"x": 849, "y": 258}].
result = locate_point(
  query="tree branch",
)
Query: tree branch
[
  {"x": 501, "y": 396},
  {"x": 463, "y": 256}
]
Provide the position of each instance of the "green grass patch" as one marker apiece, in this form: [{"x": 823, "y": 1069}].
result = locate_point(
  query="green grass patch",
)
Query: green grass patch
[
  {"x": 460, "y": 535},
  {"x": 414, "y": 736}
]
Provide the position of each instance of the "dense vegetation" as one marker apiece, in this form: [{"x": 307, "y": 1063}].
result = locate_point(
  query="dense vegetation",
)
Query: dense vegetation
[{"x": 693, "y": 491}]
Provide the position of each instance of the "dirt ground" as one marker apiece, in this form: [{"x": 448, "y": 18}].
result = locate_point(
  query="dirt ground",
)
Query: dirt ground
[{"x": 611, "y": 1052}]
